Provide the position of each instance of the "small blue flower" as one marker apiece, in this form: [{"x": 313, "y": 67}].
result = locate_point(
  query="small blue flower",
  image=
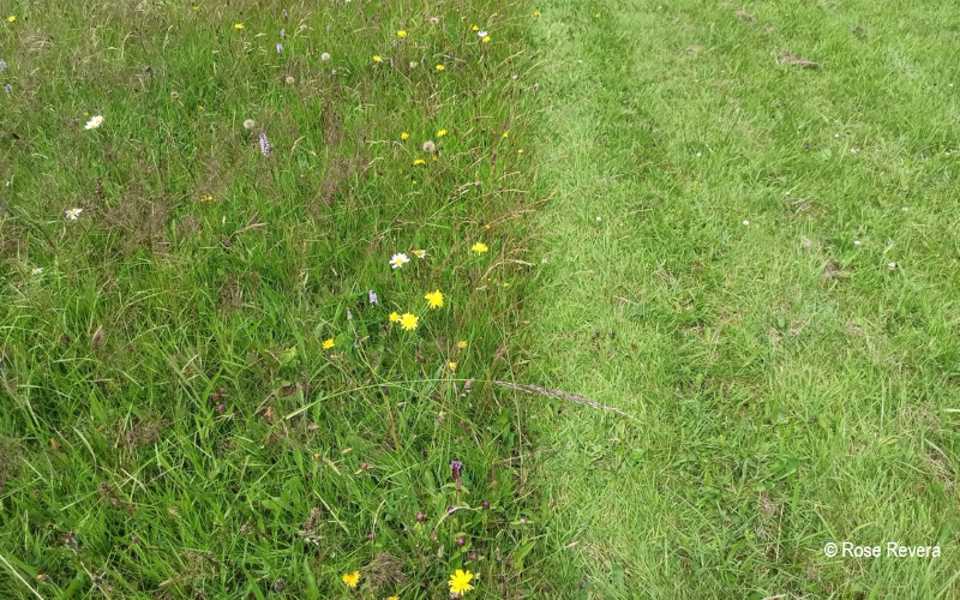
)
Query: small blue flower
[{"x": 265, "y": 147}]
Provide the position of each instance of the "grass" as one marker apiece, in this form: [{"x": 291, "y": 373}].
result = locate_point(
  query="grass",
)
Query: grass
[
  {"x": 173, "y": 425},
  {"x": 758, "y": 262}
]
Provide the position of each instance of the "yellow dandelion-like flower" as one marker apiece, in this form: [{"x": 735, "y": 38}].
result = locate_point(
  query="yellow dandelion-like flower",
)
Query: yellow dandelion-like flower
[
  {"x": 420, "y": 253},
  {"x": 474, "y": 28},
  {"x": 434, "y": 299},
  {"x": 452, "y": 365},
  {"x": 239, "y": 26},
  {"x": 462, "y": 344},
  {"x": 408, "y": 322},
  {"x": 440, "y": 68},
  {"x": 486, "y": 39},
  {"x": 394, "y": 317},
  {"x": 441, "y": 133},
  {"x": 479, "y": 248},
  {"x": 460, "y": 582},
  {"x": 401, "y": 34},
  {"x": 505, "y": 134},
  {"x": 404, "y": 136},
  {"x": 351, "y": 580},
  {"x": 12, "y": 19},
  {"x": 535, "y": 13},
  {"x": 394, "y": 597},
  {"x": 328, "y": 343},
  {"x": 419, "y": 162},
  {"x": 206, "y": 199},
  {"x": 377, "y": 58}
]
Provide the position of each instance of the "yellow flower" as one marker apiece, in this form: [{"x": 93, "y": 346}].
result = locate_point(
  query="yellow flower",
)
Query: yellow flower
[
  {"x": 485, "y": 39},
  {"x": 440, "y": 68},
  {"x": 452, "y": 365},
  {"x": 206, "y": 199},
  {"x": 12, "y": 19},
  {"x": 351, "y": 579},
  {"x": 536, "y": 12},
  {"x": 393, "y": 597},
  {"x": 462, "y": 344},
  {"x": 408, "y": 322},
  {"x": 474, "y": 28},
  {"x": 479, "y": 248},
  {"x": 434, "y": 299},
  {"x": 239, "y": 26},
  {"x": 401, "y": 34},
  {"x": 328, "y": 343},
  {"x": 394, "y": 317},
  {"x": 441, "y": 133},
  {"x": 460, "y": 582},
  {"x": 377, "y": 58},
  {"x": 420, "y": 253},
  {"x": 419, "y": 162},
  {"x": 505, "y": 134},
  {"x": 404, "y": 136}
]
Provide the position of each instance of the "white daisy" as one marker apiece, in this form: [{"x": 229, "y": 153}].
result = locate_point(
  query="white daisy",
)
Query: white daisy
[
  {"x": 94, "y": 122},
  {"x": 482, "y": 34},
  {"x": 398, "y": 260},
  {"x": 72, "y": 214},
  {"x": 249, "y": 124},
  {"x": 325, "y": 56}
]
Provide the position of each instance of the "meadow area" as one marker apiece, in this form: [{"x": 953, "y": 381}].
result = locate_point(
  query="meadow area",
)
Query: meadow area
[{"x": 488, "y": 299}]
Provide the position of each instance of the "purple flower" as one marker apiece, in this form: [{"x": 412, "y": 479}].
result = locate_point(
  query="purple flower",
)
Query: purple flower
[
  {"x": 372, "y": 296},
  {"x": 265, "y": 147},
  {"x": 456, "y": 467}
]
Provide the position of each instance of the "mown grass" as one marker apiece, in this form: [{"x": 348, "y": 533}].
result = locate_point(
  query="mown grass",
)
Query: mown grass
[
  {"x": 758, "y": 262},
  {"x": 172, "y": 425}
]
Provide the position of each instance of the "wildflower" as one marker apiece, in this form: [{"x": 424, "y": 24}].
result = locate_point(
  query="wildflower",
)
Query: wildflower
[
  {"x": 249, "y": 124},
  {"x": 328, "y": 343},
  {"x": 452, "y": 365},
  {"x": 325, "y": 56},
  {"x": 420, "y": 253},
  {"x": 72, "y": 214},
  {"x": 479, "y": 248},
  {"x": 460, "y": 582},
  {"x": 535, "y": 13},
  {"x": 351, "y": 579},
  {"x": 404, "y": 136},
  {"x": 401, "y": 34},
  {"x": 414, "y": 64},
  {"x": 408, "y": 322},
  {"x": 474, "y": 28},
  {"x": 377, "y": 58},
  {"x": 393, "y": 597},
  {"x": 441, "y": 133},
  {"x": 3, "y": 65},
  {"x": 439, "y": 68},
  {"x": 486, "y": 39},
  {"x": 206, "y": 199},
  {"x": 419, "y": 162},
  {"x": 462, "y": 344},
  {"x": 505, "y": 134},
  {"x": 283, "y": 33},
  {"x": 94, "y": 122},
  {"x": 290, "y": 80},
  {"x": 279, "y": 48},
  {"x": 456, "y": 468},
  {"x": 394, "y": 317},
  {"x": 372, "y": 297},
  {"x": 429, "y": 146},
  {"x": 239, "y": 26},
  {"x": 265, "y": 147},
  {"x": 434, "y": 20},
  {"x": 8, "y": 88},
  {"x": 12, "y": 19},
  {"x": 482, "y": 34},
  {"x": 398, "y": 260},
  {"x": 434, "y": 299}
]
